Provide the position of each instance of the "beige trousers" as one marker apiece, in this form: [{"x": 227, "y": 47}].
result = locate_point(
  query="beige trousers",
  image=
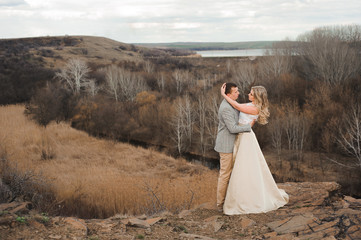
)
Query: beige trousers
[{"x": 225, "y": 170}]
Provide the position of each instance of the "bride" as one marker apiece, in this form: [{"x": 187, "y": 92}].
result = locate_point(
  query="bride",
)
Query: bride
[{"x": 251, "y": 188}]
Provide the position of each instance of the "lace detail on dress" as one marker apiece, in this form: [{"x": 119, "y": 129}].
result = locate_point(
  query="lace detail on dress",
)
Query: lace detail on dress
[{"x": 245, "y": 118}]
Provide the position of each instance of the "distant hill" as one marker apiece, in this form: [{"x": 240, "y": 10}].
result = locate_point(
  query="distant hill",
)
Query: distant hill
[
  {"x": 27, "y": 63},
  {"x": 56, "y": 50},
  {"x": 197, "y": 46}
]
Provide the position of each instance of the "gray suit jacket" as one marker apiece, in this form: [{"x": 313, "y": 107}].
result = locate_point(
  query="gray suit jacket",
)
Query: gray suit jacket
[{"x": 228, "y": 128}]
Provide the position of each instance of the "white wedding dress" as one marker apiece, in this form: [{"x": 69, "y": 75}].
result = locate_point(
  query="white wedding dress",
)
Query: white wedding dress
[{"x": 251, "y": 187}]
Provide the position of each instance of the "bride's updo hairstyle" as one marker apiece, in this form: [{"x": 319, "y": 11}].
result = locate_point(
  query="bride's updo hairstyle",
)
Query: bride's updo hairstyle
[{"x": 261, "y": 102}]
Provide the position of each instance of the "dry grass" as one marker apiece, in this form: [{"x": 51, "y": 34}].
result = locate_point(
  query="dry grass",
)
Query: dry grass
[{"x": 99, "y": 178}]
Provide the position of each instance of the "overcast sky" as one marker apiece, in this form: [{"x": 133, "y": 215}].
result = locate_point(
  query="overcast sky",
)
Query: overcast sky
[{"x": 140, "y": 21}]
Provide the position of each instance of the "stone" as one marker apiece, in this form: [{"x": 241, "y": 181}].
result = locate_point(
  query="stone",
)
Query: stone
[
  {"x": 352, "y": 200},
  {"x": 295, "y": 224},
  {"x": 194, "y": 236},
  {"x": 148, "y": 231},
  {"x": 8, "y": 206},
  {"x": 325, "y": 226},
  {"x": 288, "y": 236},
  {"x": 35, "y": 224},
  {"x": 211, "y": 219},
  {"x": 308, "y": 193},
  {"x": 344, "y": 204},
  {"x": 246, "y": 222},
  {"x": 53, "y": 236},
  {"x": 152, "y": 221},
  {"x": 135, "y": 222},
  {"x": 279, "y": 223},
  {"x": 270, "y": 235},
  {"x": 105, "y": 226},
  {"x": 184, "y": 213},
  {"x": 22, "y": 208},
  {"x": 142, "y": 217},
  {"x": 347, "y": 212},
  {"x": 346, "y": 222},
  {"x": 318, "y": 235},
  {"x": 354, "y": 230},
  {"x": 304, "y": 210},
  {"x": 77, "y": 225},
  {"x": 214, "y": 223},
  {"x": 217, "y": 225}
]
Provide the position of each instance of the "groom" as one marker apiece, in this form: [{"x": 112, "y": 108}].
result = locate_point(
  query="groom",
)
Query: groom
[{"x": 227, "y": 131}]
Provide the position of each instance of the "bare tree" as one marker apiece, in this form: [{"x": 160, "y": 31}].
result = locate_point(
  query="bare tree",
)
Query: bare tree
[
  {"x": 244, "y": 75},
  {"x": 91, "y": 87},
  {"x": 276, "y": 63},
  {"x": 161, "y": 81},
  {"x": 188, "y": 119},
  {"x": 349, "y": 138},
  {"x": 331, "y": 59},
  {"x": 112, "y": 86},
  {"x": 182, "y": 79},
  {"x": 183, "y": 123},
  {"x": 74, "y": 74},
  {"x": 296, "y": 126},
  {"x": 212, "y": 106},
  {"x": 228, "y": 65},
  {"x": 148, "y": 66},
  {"x": 275, "y": 128},
  {"x": 201, "y": 113},
  {"x": 178, "y": 126},
  {"x": 206, "y": 79},
  {"x": 122, "y": 84},
  {"x": 278, "y": 60},
  {"x": 346, "y": 33}
]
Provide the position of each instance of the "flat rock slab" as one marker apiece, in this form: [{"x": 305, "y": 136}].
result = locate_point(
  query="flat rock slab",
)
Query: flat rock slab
[
  {"x": 292, "y": 224},
  {"x": 309, "y": 193}
]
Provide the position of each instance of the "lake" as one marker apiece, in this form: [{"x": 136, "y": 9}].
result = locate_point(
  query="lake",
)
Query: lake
[{"x": 232, "y": 53}]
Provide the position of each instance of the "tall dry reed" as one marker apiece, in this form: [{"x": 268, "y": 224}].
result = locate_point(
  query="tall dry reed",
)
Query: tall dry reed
[{"x": 98, "y": 178}]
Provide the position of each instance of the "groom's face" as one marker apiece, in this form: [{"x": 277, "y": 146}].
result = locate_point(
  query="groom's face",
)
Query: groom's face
[{"x": 234, "y": 93}]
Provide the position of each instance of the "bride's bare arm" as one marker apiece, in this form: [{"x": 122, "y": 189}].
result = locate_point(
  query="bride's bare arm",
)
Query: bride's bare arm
[{"x": 242, "y": 107}]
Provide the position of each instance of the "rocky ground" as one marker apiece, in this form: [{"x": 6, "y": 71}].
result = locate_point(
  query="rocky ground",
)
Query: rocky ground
[{"x": 315, "y": 211}]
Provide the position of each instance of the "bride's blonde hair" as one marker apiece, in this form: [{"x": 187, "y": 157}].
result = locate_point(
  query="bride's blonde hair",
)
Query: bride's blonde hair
[{"x": 261, "y": 102}]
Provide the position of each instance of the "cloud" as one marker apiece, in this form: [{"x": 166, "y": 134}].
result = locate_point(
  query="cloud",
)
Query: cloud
[
  {"x": 12, "y": 3},
  {"x": 174, "y": 20}
]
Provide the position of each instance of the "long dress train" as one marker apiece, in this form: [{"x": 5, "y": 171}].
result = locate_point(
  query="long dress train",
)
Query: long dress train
[{"x": 251, "y": 188}]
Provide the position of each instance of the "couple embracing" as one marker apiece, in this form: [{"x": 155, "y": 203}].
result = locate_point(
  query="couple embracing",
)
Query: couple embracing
[{"x": 245, "y": 183}]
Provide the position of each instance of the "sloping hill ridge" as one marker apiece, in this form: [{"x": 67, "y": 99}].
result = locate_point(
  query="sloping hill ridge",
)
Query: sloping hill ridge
[{"x": 56, "y": 50}]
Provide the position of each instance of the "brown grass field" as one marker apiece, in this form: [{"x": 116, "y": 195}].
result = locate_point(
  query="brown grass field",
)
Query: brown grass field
[{"x": 90, "y": 177}]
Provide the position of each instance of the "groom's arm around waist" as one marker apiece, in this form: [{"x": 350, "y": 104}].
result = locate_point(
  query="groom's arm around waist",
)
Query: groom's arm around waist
[{"x": 231, "y": 124}]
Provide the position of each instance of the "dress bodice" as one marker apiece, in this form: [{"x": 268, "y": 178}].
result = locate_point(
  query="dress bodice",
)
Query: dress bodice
[{"x": 245, "y": 118}]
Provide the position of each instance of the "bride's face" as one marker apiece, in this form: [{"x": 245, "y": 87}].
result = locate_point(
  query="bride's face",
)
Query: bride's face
[{"x": 250, "y": 96}]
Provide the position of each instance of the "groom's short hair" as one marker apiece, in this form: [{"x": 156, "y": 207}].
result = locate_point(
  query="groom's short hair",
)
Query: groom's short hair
[{"x": 229, "y": 87}]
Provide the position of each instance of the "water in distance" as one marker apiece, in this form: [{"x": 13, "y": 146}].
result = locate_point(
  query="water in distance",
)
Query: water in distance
[{"x": 232, "y": 53}]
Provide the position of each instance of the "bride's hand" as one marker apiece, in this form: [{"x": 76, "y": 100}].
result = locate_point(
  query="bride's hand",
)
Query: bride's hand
[{"x": 223, "y": 89}]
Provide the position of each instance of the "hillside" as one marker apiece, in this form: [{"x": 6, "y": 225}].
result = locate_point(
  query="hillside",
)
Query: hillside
[
  {"x": 26, "y": 64},
  {"x": 65, "y": 171},
  {"x": 55, "y": 51}
]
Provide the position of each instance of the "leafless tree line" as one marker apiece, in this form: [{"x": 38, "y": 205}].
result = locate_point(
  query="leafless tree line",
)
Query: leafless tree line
[
  {"x": 348, "y": 135},
  {"x": 326, "y": 56},
  {"x": 195, "y": 122}
]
